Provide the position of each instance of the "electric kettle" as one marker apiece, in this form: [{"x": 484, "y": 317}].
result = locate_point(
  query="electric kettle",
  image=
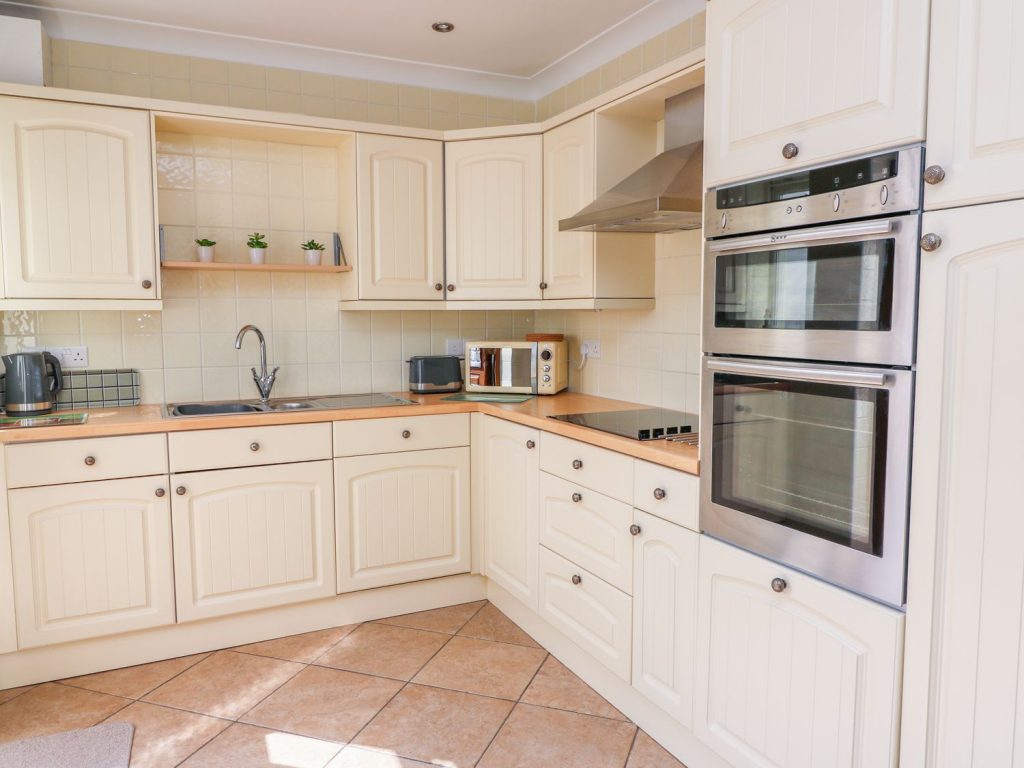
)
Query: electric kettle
[{"x": 30, "y": 387}]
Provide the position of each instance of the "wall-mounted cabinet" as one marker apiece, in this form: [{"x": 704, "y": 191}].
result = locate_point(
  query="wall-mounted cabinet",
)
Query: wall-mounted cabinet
[{"x": 76, "y": 205}]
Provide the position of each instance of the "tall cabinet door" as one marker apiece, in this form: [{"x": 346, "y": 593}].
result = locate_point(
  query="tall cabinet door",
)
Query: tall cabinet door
[
  {"x": 569, "y": 185},
  {"x": 965, "y": 623},
  {"x": 665, "y": 614},
  {"x": 831, "y": 77},
  {"x": 976, "y": 102},
  {"x": 402, "y": 517},
  {"x": 76, "y": 201},
  {"x": 252, "y": 538},
  {"x": 401, "y": 218},
  {"x": 805, "y": 676},
  {"x": 91, "y": 559},
  {"x": 493, "y": 203},
  {"x": 506, "y": 464}
]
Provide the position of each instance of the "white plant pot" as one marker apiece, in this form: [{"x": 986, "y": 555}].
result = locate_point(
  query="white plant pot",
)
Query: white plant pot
[
  {"x": 205, "y": 253},
  {"x": 314, "y": 258},
  {"x": 257, "y": 255}
]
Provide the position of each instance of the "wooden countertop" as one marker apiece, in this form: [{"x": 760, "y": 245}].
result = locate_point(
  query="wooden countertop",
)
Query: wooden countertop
[{"x": 143, "y": 419}]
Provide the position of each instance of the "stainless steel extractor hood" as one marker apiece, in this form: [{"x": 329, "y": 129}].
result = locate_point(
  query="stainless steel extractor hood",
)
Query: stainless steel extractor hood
[{"x": 667, "y": 193}]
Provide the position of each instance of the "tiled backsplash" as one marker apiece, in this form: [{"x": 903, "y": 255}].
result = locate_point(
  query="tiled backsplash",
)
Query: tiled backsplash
[{"x": 106, "y": 388}]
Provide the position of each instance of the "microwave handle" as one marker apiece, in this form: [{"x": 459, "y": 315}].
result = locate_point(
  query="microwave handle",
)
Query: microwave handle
[
  {"x": 826, "y": 376},
  {"x": 860, "y": 229}
]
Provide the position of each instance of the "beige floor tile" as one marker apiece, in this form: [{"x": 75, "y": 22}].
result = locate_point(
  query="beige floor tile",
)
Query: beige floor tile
[
  {"x": 226, "y": 684},
  {"x": 324, "y": 703},
  {"x": 380, "y": 649},
  {"x": 165, "y": 736},
  {"x": 538, "y": 737},
  {"x": 52, "y": 708},
  {"x": 555, "y": 686},
  {"x": 435, "y": 725},
  {"x": 356, "y": 757},
  {"x": 647, "y": 753},
  {"x": 135, "y": 682},
  {"x": 303, "y": 648},
  {"x": 448, "y": 620},
  {"x": 484, "y": 667},
  {"x": 10, "y": 693},
  {"x": 246, "y": 746},
  {"x": 492, "y": 624}
]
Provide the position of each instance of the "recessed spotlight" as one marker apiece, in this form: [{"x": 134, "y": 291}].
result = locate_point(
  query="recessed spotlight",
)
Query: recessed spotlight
[{"x": 442, "y": 26}]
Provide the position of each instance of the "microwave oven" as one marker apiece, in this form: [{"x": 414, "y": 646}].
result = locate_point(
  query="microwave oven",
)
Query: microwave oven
[{"x": 517, "y": 367}]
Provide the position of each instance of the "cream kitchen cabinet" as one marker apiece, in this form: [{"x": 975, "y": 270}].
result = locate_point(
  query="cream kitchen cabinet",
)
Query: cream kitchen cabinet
[
  {"x": 91, "y": 559},
  {"x": 401, "y": 218},
  {"x": 506, "y": 469},
  {"x": 402, "y": 517},
  {"x": 493, "y": 217},
  {"x": 76, "y": 201},
  {"x": 964, "y": 692},
  {"x": 975, "y": 125},
  {"x": 795, "y": 82},
  {"x": 665, "y": 614},
  {"x": 8, "y": 624},
  {"x": 252, "y": 538},
  {"x": 792, "y": 671}
]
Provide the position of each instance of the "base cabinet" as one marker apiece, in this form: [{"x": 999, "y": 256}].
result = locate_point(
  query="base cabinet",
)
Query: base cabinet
[
  {"x": 252, "y": 538},
  {"x": 806, "y": 676},
  {"x": 665, "y": 614},
  {"x": 91, "y": 559},
  {"x": 401, "y": 517}
]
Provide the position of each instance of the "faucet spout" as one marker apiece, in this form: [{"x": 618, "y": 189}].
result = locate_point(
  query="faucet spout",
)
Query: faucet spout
[{"x": 264, "y": 379}]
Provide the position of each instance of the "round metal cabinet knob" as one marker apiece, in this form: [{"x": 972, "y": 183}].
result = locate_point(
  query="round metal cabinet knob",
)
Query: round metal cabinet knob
[
  {"x": 180, "y": 490},
  {"x": 254, "y": 447},
  {"x": 451, "y": 287},
  {"x": 160, "y": 493},
  {"x": 934, "y": 174},
  {"x": 779, "y": 585},
  {"x": 543, "y": 286},
  {"x": 530, "y": 444},
  {"x": 659, "y": 493},
  {"x": 634, "y": 530},
  {"x": 438, "y": 286},
  {"x": 577, "y": 464},
  {"x": 406, "y": 434},
  {"x": 790, "y": 150},
  {"x": 576, "y": 578},
  {"x": 577, "y": 497},
  {"x": 147, "y": 284},
  {"x": 90, "y": 460},
  {"x": 930, "y": 242}
]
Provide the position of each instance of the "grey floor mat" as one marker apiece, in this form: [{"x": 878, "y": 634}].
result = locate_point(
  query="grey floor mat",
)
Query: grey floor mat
[{"x": 102, "y": 746}]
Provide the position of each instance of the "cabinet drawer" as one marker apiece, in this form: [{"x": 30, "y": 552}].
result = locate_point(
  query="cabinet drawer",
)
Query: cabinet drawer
[
  {"x": 249, "y": 446},
  {"x": 605, "y": 471},
  {"x": 366, "y": 436},
  {"x": 593, "y": 614},
  {"x": 76, "y": 461},
  {"x": 667, "y": 493},
  {"x": 588, "y": 528}
]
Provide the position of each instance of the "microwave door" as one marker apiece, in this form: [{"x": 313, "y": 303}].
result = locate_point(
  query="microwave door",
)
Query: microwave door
[{"x": 503, "y": 369}]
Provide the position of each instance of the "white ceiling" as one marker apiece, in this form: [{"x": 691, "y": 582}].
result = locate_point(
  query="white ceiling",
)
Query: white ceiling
[{"x": 494, "y": 41}]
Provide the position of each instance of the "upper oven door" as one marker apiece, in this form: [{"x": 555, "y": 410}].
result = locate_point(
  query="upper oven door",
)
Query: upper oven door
[{"x": 844, "y": 293}]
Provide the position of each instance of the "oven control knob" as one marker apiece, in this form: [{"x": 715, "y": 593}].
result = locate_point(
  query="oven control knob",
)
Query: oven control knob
[
  {"x": 835, "y": 202},
  {"x": 930, "y": 242},
  {"x": 789, "y": 209},
  {"x": 546, "y": 378},
  {"x": 545, "y": 355},
  {"x": 725, "y": 219},
  {"x": 883, "y": 194},
  {"x": 547, "y": 368},
  {"x": 779, "y": 585}
]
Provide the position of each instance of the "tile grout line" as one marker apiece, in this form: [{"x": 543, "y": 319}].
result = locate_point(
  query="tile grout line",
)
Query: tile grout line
[
  {"x": 513, "y": 708},
  {"x": 144, "y": 693},
  {"x": 632, "y": 746}
]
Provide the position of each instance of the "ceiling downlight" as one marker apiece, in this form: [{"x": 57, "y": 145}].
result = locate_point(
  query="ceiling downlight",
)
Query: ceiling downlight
[{"x": 442, "y": 26}]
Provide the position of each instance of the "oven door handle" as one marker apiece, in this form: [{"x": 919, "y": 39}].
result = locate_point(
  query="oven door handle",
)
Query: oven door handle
[
  {"x": 820, "y": 235},
  {"x": 871, "y": 379}
]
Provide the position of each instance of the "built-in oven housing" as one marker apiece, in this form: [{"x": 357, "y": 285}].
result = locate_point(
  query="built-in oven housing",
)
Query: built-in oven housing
[{"x": 808, "y": 464}]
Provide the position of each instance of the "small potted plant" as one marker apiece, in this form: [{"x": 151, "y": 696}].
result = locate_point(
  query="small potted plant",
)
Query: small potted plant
[
  {"x": 257, "y": 248},
  {"x": 205, "y": 249},
  {"x": 314, "y": 252}
]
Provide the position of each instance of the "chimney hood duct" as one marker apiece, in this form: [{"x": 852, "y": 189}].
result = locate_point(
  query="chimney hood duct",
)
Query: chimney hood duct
[{"x": 667, "y": 193}]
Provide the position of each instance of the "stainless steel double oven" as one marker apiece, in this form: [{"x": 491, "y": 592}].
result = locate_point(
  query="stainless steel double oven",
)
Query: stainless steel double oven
[{"x": 810, "y": 304}]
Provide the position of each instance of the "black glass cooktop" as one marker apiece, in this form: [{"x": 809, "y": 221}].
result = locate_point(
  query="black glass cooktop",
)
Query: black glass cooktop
[{"x": 640, "y": 424}]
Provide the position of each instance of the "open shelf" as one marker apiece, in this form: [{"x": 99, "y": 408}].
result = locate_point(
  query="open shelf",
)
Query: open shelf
[{"x": 227, "y": 266}]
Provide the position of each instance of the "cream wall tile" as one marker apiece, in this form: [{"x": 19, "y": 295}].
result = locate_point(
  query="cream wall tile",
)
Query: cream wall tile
[
  {"x": 315, "y": 84},
  {"x": 631, "y": 63},
  {"x": 699, "y": 24},
  {"x": 58, "y": 76},
  {"x": 129, "y": 60},
  {"x": 90, "y": 55},
  {"x": 279, "y": 101},
  {"x": 653, "y": 53},
  {"x": 444, "y": 121},
  {"x": 143, "y": 351},
  {"x": 247, "y": 75},
  {"x": 183, "y": 384},
  {"x": 351, "y": 89},
  {"x": 318, "y": 106},
  {"x": 208, "y": 71},
  {"x": 209, "y": 93},
  {"x": 347, "y": 109},
  {"x": 382, "y": 113},
  {"x": 248, "y": 98},
  {"x": 472, "y": 121},
  {"x": 444, "y": 101},
  {"x": 413, "y": 96},
  {"x": 382, "y": 93},
  {"x": 287, "y": 80},
  {"x": 220, "y": 383},
  {"x": 500, "y": 107},
  {"x": 472, "y": 104},
  {"x": 182, "y": 350},
  {"x": 58, "y": 51},
  {"x": 525, "y": 111},
  {"x": 169, "y": 65},
  {"x": 130, "y": 85},
  {"x": 414, "y": 118},
  {"x": 81, "y": 79},
  {"x": 678, "y": 39}
]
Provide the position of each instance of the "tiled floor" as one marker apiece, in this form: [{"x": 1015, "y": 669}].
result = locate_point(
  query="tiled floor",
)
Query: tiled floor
[{"x": 458, "y": 687}]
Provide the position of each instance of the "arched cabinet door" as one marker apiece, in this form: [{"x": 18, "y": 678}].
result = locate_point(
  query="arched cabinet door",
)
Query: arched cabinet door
[{"x": 76, "y": 201}]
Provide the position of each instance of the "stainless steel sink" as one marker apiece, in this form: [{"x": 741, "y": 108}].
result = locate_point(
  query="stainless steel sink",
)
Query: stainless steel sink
[{"x": 327, "y": 403}]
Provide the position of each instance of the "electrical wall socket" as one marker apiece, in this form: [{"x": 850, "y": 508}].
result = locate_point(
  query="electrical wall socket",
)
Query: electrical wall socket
[
  {"x": 69, "y": 357},
  {"x": 454, "y": 347},
  {"x": 593, "y": 349}
]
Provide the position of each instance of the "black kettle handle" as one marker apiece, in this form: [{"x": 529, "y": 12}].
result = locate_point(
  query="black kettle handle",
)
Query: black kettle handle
[{"x": 58, "y": 378}]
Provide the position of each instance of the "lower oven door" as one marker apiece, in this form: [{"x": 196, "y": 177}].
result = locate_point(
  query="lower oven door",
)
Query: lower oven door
[{"x": 809, "y": 465}]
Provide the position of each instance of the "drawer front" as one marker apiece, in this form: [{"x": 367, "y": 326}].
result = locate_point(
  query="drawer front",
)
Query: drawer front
[
  {"x": 76, "y": 461},
  {"x": 249, "y": 446},
  {"x": 667, "y": 493},
  {"x": 593, "y": 614},
  {"x": 601, "y": 470},
  {"x": 589, "y": 528},
  {"x": 363, "y": 437}
]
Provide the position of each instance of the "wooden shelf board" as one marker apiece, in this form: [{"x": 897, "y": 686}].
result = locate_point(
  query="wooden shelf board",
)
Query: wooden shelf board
[{"x": 223, "y": 266}]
